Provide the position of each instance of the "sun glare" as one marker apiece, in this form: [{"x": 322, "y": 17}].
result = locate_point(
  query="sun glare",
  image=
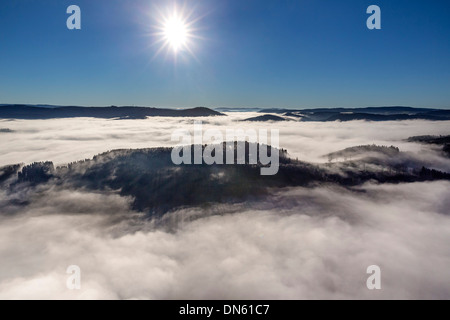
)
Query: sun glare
[{"x": 175, "y": 31}]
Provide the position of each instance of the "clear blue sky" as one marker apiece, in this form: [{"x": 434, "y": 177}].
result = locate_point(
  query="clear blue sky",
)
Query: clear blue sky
[{"x": 253, "y": 53}]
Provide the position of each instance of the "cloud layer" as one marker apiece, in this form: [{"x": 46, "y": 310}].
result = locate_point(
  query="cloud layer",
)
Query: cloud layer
[
  {"x": 296, "y": 244},
  {"x": 67, "y": 140},
  {"x": 300, "y": 244}
]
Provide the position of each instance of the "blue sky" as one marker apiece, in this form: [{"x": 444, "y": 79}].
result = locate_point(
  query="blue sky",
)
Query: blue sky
[{"x": 250, "y": 53}]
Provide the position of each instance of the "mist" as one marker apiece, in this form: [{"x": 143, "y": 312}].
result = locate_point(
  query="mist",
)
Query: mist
[
  {"x": 66, "y": 140},
  {"x": 298, "y": 244}
]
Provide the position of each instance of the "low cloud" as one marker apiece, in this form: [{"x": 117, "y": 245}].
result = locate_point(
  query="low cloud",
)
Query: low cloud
[
  {"x": 66, "y": 140},
  {"x": 298, "y": 244}
]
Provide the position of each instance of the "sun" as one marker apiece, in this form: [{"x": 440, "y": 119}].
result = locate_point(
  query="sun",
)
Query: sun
[{"x": 176, "y": 33}]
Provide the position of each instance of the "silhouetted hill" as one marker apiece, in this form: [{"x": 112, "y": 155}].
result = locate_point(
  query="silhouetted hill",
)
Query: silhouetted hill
[
  {"x": 37, "y": 173},
  {"x": 8, "y": 172},
  {"x": 446, "y": 149},
  {"x": 438, "y": 140},
  {"x": 36, "y": 112},
  {"x": 430, "y": 139},
  {"x": 368, "y": 114},
  {"x": 363, "y": 150},
  {"x": 266, "y": 117},
  {"x": 158, "y": 186},
  {"x": 228, "y": 109}
]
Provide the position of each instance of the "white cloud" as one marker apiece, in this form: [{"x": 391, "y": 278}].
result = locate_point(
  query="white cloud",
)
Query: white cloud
[
  {"x": 298, "y": 243},
  {"x": 67, "y": 140},
  {"x": 312, "y": 243}
]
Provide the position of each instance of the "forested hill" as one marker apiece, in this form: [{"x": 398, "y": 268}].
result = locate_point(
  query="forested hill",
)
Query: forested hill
[
  {"x": 367, "y": 114},
  {"x": 157, "y": 185},
  {"x": 40, "y": 112}
]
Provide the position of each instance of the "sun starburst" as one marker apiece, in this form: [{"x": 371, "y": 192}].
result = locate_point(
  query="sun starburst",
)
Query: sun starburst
[{"x": 175, "y": 31}]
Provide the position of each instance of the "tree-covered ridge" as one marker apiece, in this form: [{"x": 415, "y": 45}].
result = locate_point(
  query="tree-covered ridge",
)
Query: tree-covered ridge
[
  {"x": 158, "y": 186},
  {"x": 438, "y": 140},
  {"x": 37, "y": 172},
  {"x": 363, "y": 150},
  {"x": 8, "y": 172},
  {"x": 430, "y": 139},
  {"x": 113, "y": 112},
  {"x": 394, "y": 113}
]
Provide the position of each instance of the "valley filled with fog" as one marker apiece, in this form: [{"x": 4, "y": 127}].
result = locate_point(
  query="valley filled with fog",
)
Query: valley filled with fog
[
  {"x": 66, "y": 140},
  {"x": 290, "y": 240}
]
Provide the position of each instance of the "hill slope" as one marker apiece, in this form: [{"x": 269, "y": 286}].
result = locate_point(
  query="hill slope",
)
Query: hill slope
[
  {"x": 36, "y": 112},
  {"x": 158, "y": 186}
]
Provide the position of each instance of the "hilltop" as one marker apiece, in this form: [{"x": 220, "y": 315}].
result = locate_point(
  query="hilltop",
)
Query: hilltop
[
  {"x": 158, "y": 186},
  {"x": 113, "y": 112}
]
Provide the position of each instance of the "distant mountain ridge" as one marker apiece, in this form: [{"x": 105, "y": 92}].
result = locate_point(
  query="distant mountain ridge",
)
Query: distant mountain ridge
[
  {"x": 266, "y": 117},
  {"x": 371, "y": 110},
  {"x": 41, "y": 112},
  {"x": 368, "y": 114},
  {"x": 113, "y": 112}
]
